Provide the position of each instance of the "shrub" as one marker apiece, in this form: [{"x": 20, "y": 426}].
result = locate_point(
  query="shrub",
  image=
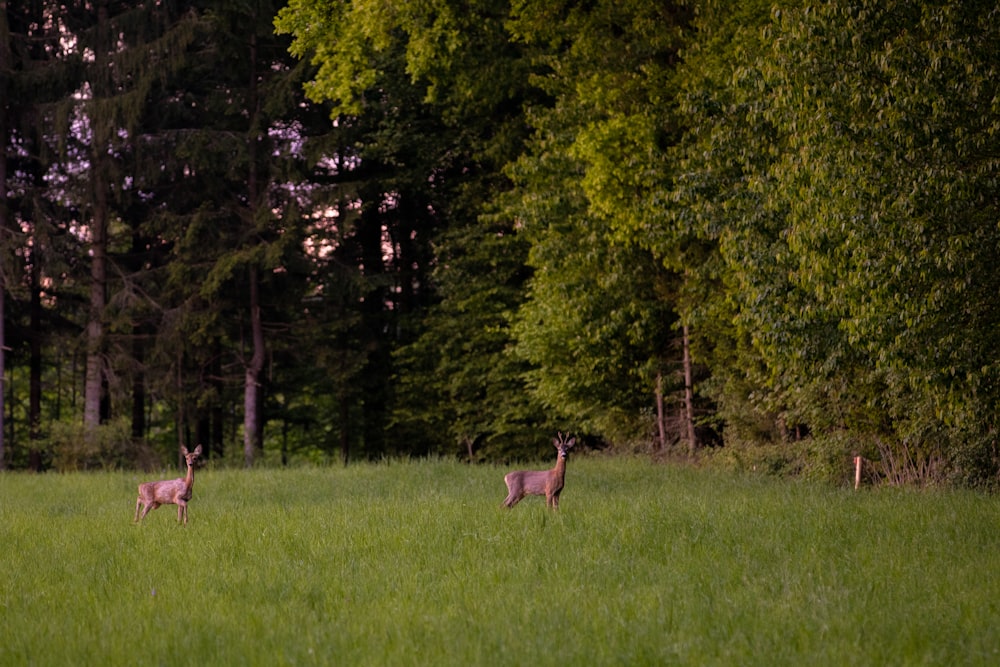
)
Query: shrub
[{"x": 74, "y": 447}]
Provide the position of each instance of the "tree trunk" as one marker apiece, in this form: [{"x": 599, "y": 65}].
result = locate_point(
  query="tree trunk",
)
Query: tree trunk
[
  {"x": 140, "y": 328},
  {"x": 218, "y": 438},
  {"x": 252, "y": 423},
  {"x": 139, "y": 386},
  {"x": 345, "y": 436},
  {"x": 252, "y": 430},
  {"x": 181, "y": 416},
  {"x": 35, "y": 368},
  {"x": 3, "y": 349},
  {"x": 375, "y": 372},
  {"x": 661, "y": 418},
  {"x": 689, "y": 394},
  {"x": 5, "y": 68},
  {"x": 94, "y": 376}
]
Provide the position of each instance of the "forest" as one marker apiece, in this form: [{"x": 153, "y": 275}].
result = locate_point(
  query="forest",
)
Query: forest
[{"x": 762, "y": 233}]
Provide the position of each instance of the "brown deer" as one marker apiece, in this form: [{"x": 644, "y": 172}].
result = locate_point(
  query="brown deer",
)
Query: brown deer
[
  {"x": 548, "y": 483},
  {"x": 169, "y": 492}
]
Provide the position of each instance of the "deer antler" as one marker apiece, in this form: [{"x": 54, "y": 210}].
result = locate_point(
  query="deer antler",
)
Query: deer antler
[{"x": 549, "y": 483}]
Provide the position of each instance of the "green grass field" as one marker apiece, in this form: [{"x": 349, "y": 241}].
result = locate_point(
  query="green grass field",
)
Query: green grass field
[{"x": 414, "y": 563}]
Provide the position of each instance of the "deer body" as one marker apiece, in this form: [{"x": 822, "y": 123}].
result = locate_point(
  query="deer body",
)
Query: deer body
[
  {"x": 169, "y": 492},
  {"x": 548, "y": 483}
]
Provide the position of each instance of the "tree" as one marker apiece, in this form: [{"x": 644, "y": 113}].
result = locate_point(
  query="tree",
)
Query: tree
[
  {"x": 158, "y": 99},
  {"x": 718, "y": 191},
  {"x": 454, "y": 84},
  {"x": 216, "y": 162},
  {"x": 838, "y": 156},
  {"x": 6, "y": 68},
  {"x": 39, "y": 71},
  {"x": 458, "y": 379},
  {"x": 596, "y": 329},
  {"x": 899, "y": 140},
  {"x": 98, "y": 65},
  {"x": 103, "y": 127},
  {"x": 590, "y": 188}
]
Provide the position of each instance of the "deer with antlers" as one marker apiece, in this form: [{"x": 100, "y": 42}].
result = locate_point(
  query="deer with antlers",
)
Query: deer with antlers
[
  {"x": 169, "y": 492},
  {"x": 548, "y": 483}
]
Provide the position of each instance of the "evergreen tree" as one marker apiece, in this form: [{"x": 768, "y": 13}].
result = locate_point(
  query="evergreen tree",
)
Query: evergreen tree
[
  {"x": 234, "y": 211},
  {"x": 6, "y": 68},
  {"x": 454, "y": 84},
  {"x": 39, "y": 72}
]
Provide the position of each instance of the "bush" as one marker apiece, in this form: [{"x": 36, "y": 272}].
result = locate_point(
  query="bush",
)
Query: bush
[
  {"x": 975, "y": 462},
  {"x": 74, "y": 447},
  {"x": 827, "y": 458}
]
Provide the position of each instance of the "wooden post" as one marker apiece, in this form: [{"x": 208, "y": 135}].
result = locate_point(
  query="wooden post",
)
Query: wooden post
[{"x": 857, "y": 472}]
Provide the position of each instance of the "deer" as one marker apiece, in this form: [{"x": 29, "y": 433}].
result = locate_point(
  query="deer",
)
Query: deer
[
  {"x": 169, "y": 492},
  {"x": 548, "y": 483}
]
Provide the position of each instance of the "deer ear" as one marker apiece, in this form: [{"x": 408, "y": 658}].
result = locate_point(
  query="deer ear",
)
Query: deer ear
[
  {"x": 197, "y": 450},
  {"x": 184, "y": 450},
  {"x": 572, "y": 441}
]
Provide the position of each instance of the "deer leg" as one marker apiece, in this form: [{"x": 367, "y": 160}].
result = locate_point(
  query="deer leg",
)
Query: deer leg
[
  {"x": 182, "y": 511},
  {"x": 513, "y": 494},
  {"x": 151, "y": 506},
  {"x": 138, "y": 503}
]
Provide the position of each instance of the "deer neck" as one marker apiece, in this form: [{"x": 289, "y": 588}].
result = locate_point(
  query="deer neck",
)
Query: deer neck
[
  {"x": 560, "y": 469},
  {"x": 189, "y": 478}
]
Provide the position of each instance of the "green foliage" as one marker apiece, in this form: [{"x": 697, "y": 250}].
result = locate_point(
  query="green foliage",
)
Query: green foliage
[
  {"x": 887, "y": 219},
  {"x": 843, "y": 171},
  {"x": 827, "y": 458},
  {"x": 974, "y": 459},
  {"x": 596, "y": 325},
  {"x": 444, "y": 78},
  {"x": 611, "y": 68},
  {"x": 416, "y": 564},
  {"x": 458, "y": 378},
  {"x": 594, "y": 329},
  {"x": 458, "y": 52},
  {"x": 73, "y": 447},
  {"x": 501, "y": 213}
]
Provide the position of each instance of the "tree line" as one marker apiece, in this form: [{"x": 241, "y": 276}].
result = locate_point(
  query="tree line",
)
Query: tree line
[{"x": 343, "y": 229}]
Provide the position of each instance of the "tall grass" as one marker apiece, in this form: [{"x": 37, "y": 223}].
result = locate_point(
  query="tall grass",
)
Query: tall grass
[{"x": 416, "y": 564}]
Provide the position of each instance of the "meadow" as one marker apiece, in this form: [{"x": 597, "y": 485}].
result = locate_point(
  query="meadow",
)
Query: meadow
[{"x": 415, "y": 563}]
